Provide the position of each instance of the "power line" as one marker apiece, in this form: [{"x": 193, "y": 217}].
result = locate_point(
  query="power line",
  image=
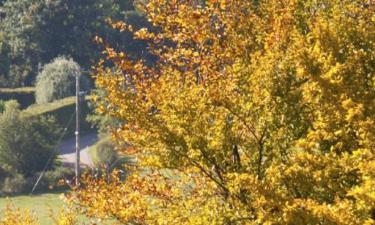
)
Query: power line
[{"x": 53, "y": 152}]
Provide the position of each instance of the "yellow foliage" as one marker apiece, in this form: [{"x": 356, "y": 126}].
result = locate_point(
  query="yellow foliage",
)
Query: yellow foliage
[
  {"x": 256, "y": 112},
  {"x": 16, "y": 216},
  {"x": 66, "y": 216}
]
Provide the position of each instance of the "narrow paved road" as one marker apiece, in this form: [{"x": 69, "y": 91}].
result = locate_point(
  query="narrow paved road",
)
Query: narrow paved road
[{"x": 67, "y": 150}]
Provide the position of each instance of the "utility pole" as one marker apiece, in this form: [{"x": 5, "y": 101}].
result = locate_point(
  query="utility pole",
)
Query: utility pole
[{"x": 78, "y": 100}]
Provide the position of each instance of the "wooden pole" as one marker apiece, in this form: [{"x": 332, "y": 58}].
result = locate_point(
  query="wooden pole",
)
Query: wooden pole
[{"x": 77, "y": 164}]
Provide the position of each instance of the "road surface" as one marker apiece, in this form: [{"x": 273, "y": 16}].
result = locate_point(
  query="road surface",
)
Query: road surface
[{"x": 68, "y": 146}]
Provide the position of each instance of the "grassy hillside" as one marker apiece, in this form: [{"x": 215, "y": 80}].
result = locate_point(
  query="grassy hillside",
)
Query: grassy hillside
[
  {"x": 25, "y": 90},
  {"x": 49, "y": 107},
  {"x": 53, "y": 106},
  {"x": 62, "y": 110},
  {"x": 24, "y": 95}
]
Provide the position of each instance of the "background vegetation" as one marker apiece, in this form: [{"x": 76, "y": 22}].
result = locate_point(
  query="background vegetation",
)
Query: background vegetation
[
  {"x": 34, "y": 32},
  {"x": 57, "y": 80},
  {"x": 26, "y": 144}
]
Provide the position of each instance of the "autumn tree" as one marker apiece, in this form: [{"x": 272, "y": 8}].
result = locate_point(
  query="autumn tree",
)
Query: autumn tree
[{"x": 256, "y": 112}]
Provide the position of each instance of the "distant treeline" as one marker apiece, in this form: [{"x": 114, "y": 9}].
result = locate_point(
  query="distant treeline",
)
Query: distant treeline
[{"x": 34, "y": 32}]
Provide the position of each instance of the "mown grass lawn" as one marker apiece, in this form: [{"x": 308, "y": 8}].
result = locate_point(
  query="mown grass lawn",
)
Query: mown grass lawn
[{"x": 39, "y": 204}]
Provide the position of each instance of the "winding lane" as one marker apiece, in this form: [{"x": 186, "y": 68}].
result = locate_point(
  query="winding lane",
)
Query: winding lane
[{"x": 67, "y": 150}]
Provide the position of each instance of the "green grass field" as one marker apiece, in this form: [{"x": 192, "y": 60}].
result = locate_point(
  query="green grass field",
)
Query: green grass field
[{"x": 40, "y": 205}]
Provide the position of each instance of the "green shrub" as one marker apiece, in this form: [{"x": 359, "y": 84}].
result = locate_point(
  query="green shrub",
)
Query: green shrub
[
  {"x": 15, "y": 184},
  {"x": 51, "y": 179},
  {"x": 3, "y": 174},
  {"x": 53, "y": 176},
  {"x": 26, "y": 143},
  {"x": 105, "y": 157},
  {"x": 2, "y": 106},
  {"x": 105, "y": 153},
  {"x": 57, "y": 80}
]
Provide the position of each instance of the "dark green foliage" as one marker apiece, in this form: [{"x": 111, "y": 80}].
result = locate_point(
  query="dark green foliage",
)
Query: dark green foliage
[
  {"x": 103, "y": 123},
  {"x": 33, "y": 32},
  {"x": 124, "y": 5},
  {"x": 105, "y": 153},
  {"x": 2, "y": 108},
  {"x": 106, "y": 158},
  {"x": 124, "y": 41},
  {"x": 27, "y": 139},
  {"x": 70, "y": 27},
  {"x": 57, "y": 80},
  {"x": 3, "y": 174},
  {"x": 12, "y": 182},
  {"x": 4, "y": 59},
  {"x": 26, "y": 143},
  {"x": 22, "y": 37},
  {"x": 51, "y": 179},
  {"x": 15, "y": 184}
]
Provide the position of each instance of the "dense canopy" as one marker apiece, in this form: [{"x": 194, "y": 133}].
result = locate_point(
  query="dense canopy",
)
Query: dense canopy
[
  {"x": 34, "y": 32},
  {"x": 256, "y": 112}
]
